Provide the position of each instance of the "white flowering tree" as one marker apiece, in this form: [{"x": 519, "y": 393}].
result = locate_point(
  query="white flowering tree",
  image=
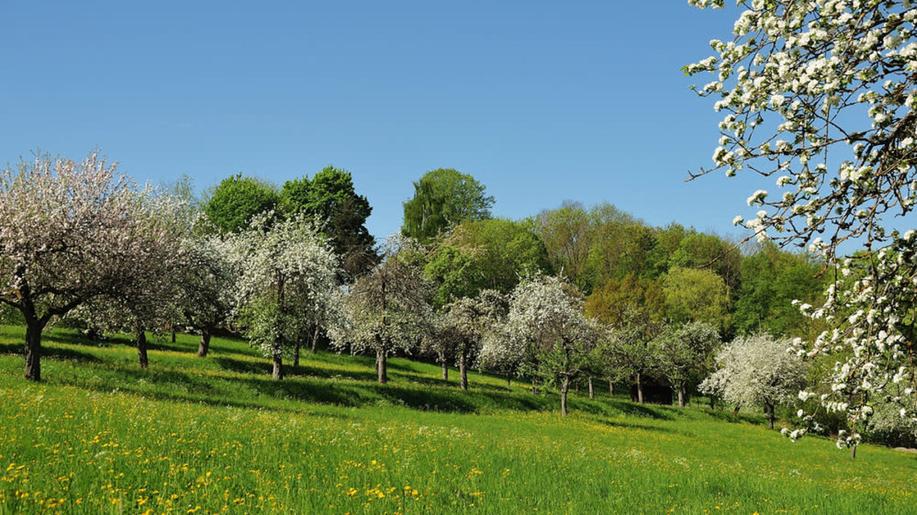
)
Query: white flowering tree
[
  {"x": 819, "y": 96},
  {"x": 207, "y": 289},
  {"x": 546, "y": 327},
  {"x": 69, "y": 233},
  {"x": 388, "y": 309},
  {"x": 462, "y": 326},
  {"x": 286, "y": 269},
  {"x": 628, "y": 350},
  {"x": 144, "y": 296},
  {"x": 684, "y": 355},
  {"x": 757, "y": 370}
]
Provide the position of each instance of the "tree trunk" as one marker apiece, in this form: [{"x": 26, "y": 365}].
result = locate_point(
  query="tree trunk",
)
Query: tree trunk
[
  {"x": 681, "y": 396},
  {"x": 611, "y": 387},
  {"x": 445, "y": 365},
  {"x": 564, "y": 390},
  {"x": 639, "y": 389},
  {"x": 534, "y": 387},
  {"x": 204, "y": 346},
  {"x": 277, "y": 373},
  {"x": 591, "y": 390},
  {"x": 771, "y": 416},
  {"x": 173, "y": 334},
  {"x": 296, "y": 354},
  {"x": 314, "y": 347},
  {"x": 381, "y": 367},
  {"x": 33, "y": 351},
  {"x": 463, "y": 369},
  {"x": 853, "y": 452},
  {"x": 141, "y": 348},
  {"x": 735, "y": 412}
]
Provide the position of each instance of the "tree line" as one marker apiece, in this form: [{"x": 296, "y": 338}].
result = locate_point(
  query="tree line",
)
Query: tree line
[{"x": 566, "y": 298}]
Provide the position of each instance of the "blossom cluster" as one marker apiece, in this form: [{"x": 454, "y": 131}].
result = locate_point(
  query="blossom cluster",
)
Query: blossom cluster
[{"x": 819, "y": 96}]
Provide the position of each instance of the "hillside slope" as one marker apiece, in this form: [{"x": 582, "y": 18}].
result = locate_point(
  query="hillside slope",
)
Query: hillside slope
[{"x": 216, "y": 434}]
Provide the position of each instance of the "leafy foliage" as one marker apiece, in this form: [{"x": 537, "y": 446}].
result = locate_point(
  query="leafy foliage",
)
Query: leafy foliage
[
  {"x": 444, "y": 198},
  {"x": 288, "y": 271},
  {"x": 235, "y": 202},
  {"x": 329, "y": 196},
  {"x": 487, "y": 254},
  {"x": 821, "y": 95}
]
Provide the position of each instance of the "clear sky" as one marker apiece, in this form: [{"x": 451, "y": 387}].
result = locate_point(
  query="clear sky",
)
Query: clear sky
[{"x": 541, "y": 101}]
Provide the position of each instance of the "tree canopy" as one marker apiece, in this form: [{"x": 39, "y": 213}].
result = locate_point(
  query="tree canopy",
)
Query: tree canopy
[
  {"x": 485, "y": 254},
  {"x": 329, "y": 196},
  {"x": 236, "y": 200},
  {"x": 444, "y": 198}
]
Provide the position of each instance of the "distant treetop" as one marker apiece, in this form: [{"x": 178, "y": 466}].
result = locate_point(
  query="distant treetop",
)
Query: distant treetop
[
  {"x": 444, "y": 198},
  {"x": 236, "y": 200}
]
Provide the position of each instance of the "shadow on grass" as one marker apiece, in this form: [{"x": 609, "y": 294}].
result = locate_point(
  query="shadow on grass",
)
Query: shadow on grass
[
  {"x": 635, "y": 425},
  {"x": 727, "y": 415},
  {"x": 50, "y": 352},
  {"x": 357, "y": 395},
  {"x": 197, "y": 391}
]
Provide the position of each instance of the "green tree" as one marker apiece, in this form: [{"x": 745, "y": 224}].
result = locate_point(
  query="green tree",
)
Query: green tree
[
  {"x": 236, "y": 200},
  {"x": 700, "y": 250},
  {"x": 617, "y": 299},
  {"x": 567, "y": 234},
  {"x": 330, "y": 196},
  {"x": 771, "y": 280},
  {"x": 486, "y": 254},
  {"x": 444, "y": 198},
  {"x": 694, "y": 295}
]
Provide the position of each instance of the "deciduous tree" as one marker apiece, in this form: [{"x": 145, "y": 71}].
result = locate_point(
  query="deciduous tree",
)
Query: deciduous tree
[
  {"x": 820, "y": 97},
  {"x": 329, "y": 196},
  {"x": 546, "y": 322},
  {"x": 388, "y": 309},
  {"x": 444, "y": 198},
  {"x": 287, "y": 269},
  {"x": 757, "y": 370},
  {"x": 684, "y": 355},
  {"x": 69, "y": 233},
  {"x": 234, "y": 203}
]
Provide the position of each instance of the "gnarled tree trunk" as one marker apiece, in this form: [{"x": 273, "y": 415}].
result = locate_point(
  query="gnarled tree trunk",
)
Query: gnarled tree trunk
[
  {"x": 681, "y": 395},
  {"x": 314, "y": 342},
  {"x": 277, "y": 372},
  {"x": 445, "y": 366},
  {"x": 639, "y": 388},
  {"x": 381, "y": 366},
  {"x": 141, "y": 348},
  {"x": 463, "y": 369},
  {"x": 204, "y": 346},
  {"x": 33, "y": 350}
]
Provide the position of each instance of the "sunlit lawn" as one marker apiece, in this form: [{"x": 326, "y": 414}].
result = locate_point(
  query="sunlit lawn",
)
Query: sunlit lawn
[{"x": 217, "y": 434}]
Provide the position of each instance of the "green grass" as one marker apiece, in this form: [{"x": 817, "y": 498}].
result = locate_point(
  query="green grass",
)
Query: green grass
[{"x": 216, "y": 434}]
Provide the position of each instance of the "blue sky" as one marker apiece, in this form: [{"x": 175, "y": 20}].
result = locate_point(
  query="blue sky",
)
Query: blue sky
[{"x": 541, "y": 101}]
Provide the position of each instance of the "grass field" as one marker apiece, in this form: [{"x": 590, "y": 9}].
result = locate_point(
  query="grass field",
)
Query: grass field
[{"x": 216, "y": 434}]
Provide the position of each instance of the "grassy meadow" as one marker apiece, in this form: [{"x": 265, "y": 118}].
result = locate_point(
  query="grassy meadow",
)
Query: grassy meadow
[{"x": 216, "y": 434}]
